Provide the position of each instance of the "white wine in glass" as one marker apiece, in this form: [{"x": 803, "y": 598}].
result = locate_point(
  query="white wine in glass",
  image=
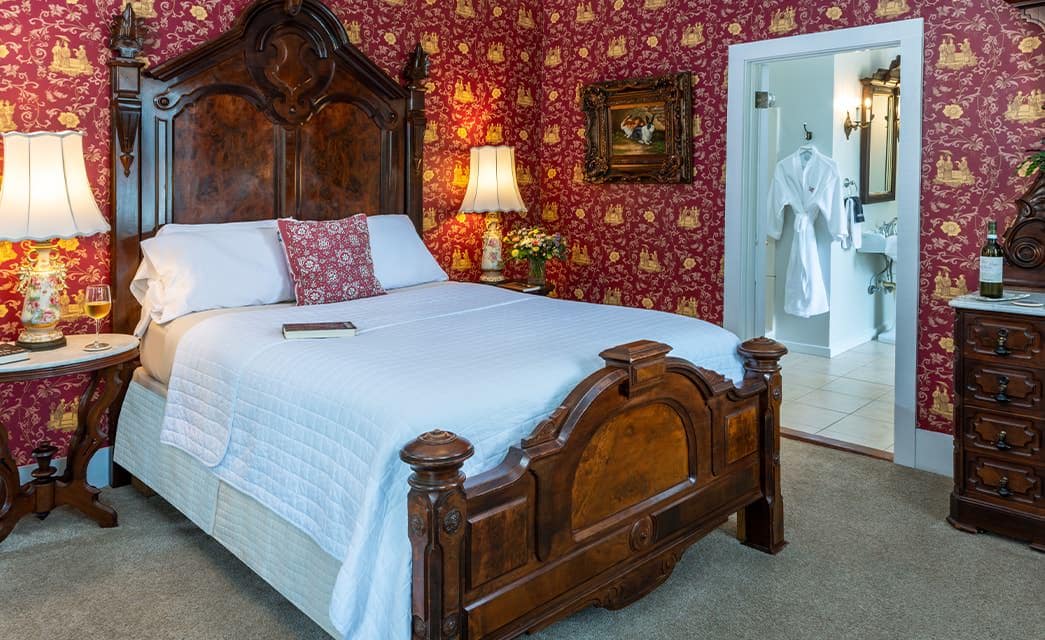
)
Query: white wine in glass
[{"x": 97, "y": 304}]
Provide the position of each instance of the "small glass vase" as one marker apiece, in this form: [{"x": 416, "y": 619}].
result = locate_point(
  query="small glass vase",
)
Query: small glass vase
[{"x": 536, "y": 276}]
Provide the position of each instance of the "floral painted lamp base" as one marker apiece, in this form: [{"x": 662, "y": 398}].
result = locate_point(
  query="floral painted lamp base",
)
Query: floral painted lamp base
[
  {"x": 42, "y": 281},
  {"x": 493, "y": 257}
]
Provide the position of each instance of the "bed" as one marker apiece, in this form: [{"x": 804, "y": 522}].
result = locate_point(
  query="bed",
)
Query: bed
[{"x": 476, "y": 463}]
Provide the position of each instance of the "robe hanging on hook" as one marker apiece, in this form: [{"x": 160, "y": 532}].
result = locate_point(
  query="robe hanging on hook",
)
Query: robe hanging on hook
[{"x": 809, "y": 134}]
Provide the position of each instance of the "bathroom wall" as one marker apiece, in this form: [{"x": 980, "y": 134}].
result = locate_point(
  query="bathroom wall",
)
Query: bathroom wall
[{"x": 816, "y": 91}]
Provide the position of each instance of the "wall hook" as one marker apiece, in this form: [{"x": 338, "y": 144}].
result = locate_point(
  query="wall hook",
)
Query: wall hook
[{"x": 809, "y": 134}]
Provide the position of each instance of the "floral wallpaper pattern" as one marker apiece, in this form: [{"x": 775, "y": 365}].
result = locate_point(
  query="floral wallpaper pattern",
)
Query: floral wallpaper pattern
[
  {"x": 482, "y": 89},
  {"x": 661, "y": 247},
  {"x": 509, "y": 71}
]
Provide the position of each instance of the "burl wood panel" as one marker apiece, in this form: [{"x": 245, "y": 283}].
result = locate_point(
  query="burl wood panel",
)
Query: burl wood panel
[
  {"x": 741, "y": 435},
  {"x": 223, "y": 162},
  {"x": 634, "y": 456},
  {"x": 341, "y": 146},
  {"x": 508, "y": 527}
]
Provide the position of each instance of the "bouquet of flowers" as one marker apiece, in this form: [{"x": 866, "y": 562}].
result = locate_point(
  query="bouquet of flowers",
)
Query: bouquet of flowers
[{"x": 536, "y": 246}]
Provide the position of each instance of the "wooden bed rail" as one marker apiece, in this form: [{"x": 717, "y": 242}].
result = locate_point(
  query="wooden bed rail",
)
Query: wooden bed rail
[{"x": 598, "y": 503}]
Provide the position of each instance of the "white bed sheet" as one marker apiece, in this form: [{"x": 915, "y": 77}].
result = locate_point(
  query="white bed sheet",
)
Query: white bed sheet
[{"x": 312, "y": 429}]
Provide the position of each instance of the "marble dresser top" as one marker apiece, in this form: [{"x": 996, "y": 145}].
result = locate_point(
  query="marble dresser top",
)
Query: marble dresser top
[{"x": 975, "y": 302}]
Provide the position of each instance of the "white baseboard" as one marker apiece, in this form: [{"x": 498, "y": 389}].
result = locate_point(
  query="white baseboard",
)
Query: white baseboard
[
  {"x": 934, "y": 452},
  {"x": 97, "y": 469}
]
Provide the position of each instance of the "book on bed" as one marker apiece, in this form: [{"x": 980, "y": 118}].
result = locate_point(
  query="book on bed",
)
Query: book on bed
[{"x": 311, "y": 330}]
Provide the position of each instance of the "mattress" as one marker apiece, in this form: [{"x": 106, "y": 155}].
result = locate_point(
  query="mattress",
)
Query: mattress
[
  {"x": 277, "y": 551},
  {"x": 311, "y": 429},
  {"x": 160, "y": 342}
]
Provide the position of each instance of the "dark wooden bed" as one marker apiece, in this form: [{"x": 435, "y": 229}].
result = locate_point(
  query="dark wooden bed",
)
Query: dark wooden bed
[{"x": 281, "y": 116}]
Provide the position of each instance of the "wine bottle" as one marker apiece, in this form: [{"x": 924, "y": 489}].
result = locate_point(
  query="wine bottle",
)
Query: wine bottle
[{"x": 992, "y": 262}]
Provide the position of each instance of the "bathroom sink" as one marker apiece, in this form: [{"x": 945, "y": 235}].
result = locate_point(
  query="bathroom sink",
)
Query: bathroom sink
[{"x": 874, "y": 242}]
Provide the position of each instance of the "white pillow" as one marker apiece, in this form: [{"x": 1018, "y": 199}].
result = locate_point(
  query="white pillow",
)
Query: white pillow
[
  {"x": 401, "y": 258},
  {"x": 182, "y": 273}
]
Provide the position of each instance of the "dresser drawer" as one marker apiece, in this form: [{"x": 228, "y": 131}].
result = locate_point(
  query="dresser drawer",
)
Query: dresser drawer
[
  {"x": 1004, "y": 482},
  {"x": 1008, "y": 434},
  {"x": 1003, "y": 388},
  {"x": 1005, "y": 338}
]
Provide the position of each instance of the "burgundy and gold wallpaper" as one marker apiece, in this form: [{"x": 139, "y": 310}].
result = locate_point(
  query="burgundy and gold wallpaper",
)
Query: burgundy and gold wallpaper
[
  {"x": 508, "y": 71},
  {"x": 661, "y": 247},
  {"x": 482, "y": 89}
]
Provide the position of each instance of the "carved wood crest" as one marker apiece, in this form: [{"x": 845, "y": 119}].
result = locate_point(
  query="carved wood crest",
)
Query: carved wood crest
[
  {"x": 639, "y": 130},
  {"x": 1025, "y": 239}
]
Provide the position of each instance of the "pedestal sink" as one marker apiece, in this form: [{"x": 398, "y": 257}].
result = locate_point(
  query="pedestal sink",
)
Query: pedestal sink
[{"x": 874, "y": 242}]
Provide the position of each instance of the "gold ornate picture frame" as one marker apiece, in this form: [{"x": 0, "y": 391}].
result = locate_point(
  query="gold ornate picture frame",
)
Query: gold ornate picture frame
[{"x": 639, "y": 130}]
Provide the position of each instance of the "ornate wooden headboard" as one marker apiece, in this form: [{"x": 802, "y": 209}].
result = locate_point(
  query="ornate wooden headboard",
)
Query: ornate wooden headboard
[
  {"x": 278, "y": 117},
  {"x": 1024, "y": 242}
]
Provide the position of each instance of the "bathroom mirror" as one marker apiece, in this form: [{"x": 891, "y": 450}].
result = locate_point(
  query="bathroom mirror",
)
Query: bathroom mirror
[{"x": 878, "y": 140}]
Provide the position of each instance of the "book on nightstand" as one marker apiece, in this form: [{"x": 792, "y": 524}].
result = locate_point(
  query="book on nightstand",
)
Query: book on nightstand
[
  {"x": 521, "y": 287},
  {"x": 310, "y": 330},
  {"x": 12, "y": 353}
]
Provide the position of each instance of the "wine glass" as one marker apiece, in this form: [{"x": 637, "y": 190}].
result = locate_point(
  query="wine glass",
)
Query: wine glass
[{"x": 97, "y": 304}]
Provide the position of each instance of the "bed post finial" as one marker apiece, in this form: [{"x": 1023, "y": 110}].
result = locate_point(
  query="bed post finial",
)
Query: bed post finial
[
  {"x": 125, "y": 39},
  {"x": 761, "y": 524},
  {"x": 437, "y": 516}
]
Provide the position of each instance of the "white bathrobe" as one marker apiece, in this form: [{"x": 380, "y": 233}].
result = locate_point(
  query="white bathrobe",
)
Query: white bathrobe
[{"x": 807, "y": 181}]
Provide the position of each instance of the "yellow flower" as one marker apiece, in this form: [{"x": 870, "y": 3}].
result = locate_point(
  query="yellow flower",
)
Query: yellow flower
[
  {"x": 69, "y": 119},
  {"x": 834, "y": 13},
  {"x": 618, "y": 5},
  {"x": 497, "y": 12},
  {"x": 951, "y": 228},
  {"x": 614, "y": 256},
  {"x": 554, "y": 17},
  {"x": 1027, "y": 45},
  {"x": 579, "y": 213},
  {"x": 496, "y": 93},
  {"x": 524, "y": 134},
  {"x": 525, "y": 56},
  {"x": 649, "y": 216},
  {"x": 198, "y": 12},
  {"x": 947, "y": 344},
  {"x": 428, "y": 175},
  {"x": 953, "y": 111},
  {"x": 735, "y": 28},
  {"x": 7, "y": 252},
  {"x": 390, "y": 37},
  {"x": 652, "y": 41},
  {"x": 515, "y": 253},
  {"x": 553, "y": 95},
  {"x": 689, "y": 263},
  {"x": 462, "y": 133},
  {"x": 578, "y": 293},
  {"x": 646, "y": 302},
  {"x": 552, "y": 172},
  {"x": 462, "y": 47},
  {"x": 583, "y": 52},
  {"x": 69, "y": 244},
  {"x": 3, "y": 51}
]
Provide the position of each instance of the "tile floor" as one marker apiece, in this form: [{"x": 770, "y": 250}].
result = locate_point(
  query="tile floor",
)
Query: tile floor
[{"x": 848, "y": 397}]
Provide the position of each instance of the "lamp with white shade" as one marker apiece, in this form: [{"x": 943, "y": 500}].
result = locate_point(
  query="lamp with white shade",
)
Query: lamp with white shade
[
  {"x": 492, "y": 189},
  {"x": 45, "y": 197}
]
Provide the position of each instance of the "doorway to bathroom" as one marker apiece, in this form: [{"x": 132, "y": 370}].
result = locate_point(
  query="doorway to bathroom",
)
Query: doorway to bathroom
[{"x": 822, "y": 223}]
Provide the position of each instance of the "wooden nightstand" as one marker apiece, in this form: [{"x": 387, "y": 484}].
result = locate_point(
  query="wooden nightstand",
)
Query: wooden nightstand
[
  {"x": 40, "y": 496},
  {"x": 521, "y": 287}
]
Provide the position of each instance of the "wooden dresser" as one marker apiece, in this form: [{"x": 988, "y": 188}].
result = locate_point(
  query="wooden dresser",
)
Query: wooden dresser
[{"x": 999, "y": 446}]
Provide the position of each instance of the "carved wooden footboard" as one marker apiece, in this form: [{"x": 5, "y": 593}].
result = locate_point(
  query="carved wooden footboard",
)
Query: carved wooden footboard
[{"x": 598, "y": 504}]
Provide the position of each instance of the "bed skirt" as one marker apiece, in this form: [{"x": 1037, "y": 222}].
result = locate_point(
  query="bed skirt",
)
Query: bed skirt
[{"x": 273, "y": 548}]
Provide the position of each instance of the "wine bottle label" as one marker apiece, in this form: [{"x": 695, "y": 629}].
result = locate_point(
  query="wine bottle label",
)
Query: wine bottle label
[{"x": 991, "y": 269}]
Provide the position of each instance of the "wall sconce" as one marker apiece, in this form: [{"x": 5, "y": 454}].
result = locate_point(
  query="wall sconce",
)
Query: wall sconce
[{"x": 849, "y": 126}]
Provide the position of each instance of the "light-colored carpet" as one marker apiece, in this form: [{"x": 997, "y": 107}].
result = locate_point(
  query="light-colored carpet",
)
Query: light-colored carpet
[{"x": 870, "y": 557}]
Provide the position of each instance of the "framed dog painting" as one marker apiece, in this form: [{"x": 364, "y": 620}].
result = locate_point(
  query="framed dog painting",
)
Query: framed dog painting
[{"x": 639, "y": 130}]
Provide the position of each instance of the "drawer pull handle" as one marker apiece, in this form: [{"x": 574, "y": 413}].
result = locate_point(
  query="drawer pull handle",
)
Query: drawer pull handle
[
  {"x": 1003, "y": 487},
  {"x": 1003, "y": 347},
  {"x": 1000, "y": 444},
  {"x": 1003, "y": 388}
]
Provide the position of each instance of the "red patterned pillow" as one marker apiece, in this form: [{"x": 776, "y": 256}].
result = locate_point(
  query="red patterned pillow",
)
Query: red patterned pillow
[{"x": 329, "y": 261}]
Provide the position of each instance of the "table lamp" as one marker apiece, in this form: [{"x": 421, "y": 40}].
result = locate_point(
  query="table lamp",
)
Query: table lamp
[
  {"x": 45, "y": 196},
  {"x": 493, "y": 190}
]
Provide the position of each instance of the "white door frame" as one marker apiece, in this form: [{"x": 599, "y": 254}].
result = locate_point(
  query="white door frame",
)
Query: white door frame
[{"x": 745, "y": 233}]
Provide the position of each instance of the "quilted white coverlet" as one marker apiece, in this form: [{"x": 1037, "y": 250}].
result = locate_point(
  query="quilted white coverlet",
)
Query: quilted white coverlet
[{"x": 312, "y": 429}]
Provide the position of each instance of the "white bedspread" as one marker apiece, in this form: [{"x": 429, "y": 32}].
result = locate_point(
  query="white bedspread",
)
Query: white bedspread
[{"x": 312, "y": 428}]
